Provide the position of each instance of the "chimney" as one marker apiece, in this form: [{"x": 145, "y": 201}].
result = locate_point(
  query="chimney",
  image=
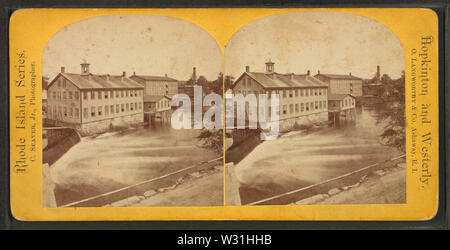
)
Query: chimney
[
  {"x": 292, "y": 76},
  {"x": 318, "y": 72},
  {"x": 270, "y": 67},
  {"x": 165, "y": 75},
  {"x": 134, "y": 73},
  {"x": 107, "y": 77},
  {"x": 194, "y": 74},
  {"x": 378, "y": 72},
  {"x": 63, "y": 70},
  {"x": 124, "y": 74},
  {"x": 84, "y": 68},
  {"x": 247, "y": 68},
  {"x": 350, "y": 73},
  {"x": 308, "y": 72}
]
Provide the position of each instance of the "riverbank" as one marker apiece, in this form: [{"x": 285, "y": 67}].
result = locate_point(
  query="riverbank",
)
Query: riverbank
[
  {"x": 384, "y": 186},
  {"x": 201, "y": 188}
]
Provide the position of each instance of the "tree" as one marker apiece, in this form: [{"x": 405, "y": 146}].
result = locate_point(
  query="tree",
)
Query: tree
[
  {"x": 393, "y": 114},
  {"x": 212, "y": 139}
]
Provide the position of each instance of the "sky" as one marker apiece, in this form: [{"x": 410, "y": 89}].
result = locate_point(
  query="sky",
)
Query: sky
[
  {"x": 332, "y": 42},
  {"x": 145, "y": 44}
]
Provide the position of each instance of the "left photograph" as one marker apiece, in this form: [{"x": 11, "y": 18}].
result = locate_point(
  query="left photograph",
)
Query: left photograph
[{"x": 108, "y": 97}]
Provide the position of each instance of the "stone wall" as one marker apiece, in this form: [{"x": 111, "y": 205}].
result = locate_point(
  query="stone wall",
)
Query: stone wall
[
  {"x": 304, "y": 120},
  {"x": 106, "y": 125}
]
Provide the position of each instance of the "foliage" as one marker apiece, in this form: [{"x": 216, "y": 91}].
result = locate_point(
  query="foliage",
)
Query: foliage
[
  {"x": 212, "y": 139},
  {"x": 393, "y": 114}
]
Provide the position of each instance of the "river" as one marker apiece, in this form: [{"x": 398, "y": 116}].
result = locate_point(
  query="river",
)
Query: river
[
  {"x": 115, "y": 160},
  {"x": 299, "y": 159}
]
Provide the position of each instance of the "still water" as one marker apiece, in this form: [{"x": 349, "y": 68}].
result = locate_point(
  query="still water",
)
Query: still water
[
  {"x": 299, "y": 159},
  {"x": 111, "y": 161}
]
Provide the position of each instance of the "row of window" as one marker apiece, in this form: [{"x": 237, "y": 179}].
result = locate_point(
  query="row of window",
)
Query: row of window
[
  {"x": 110, "y": 94},
  {"x": 60, "y": 112},
  {"x": 304, "y": 107},
  {"x": 69, "y": 95},
  {"x": 289, "y": 93},
  {"x": 119, "y": 108}
]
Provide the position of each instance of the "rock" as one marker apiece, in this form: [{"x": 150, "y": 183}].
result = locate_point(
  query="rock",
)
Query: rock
[
  {"x": 380, "y": 172},
  {"x": 311, "y": 200},
  {"x": 126, "y": 202},
  {"x": 334, "y": 191},
  {"x": 196, "y": 174},
  {"x": 150, "y": 193},
  {"x": 402, "y": 165}
]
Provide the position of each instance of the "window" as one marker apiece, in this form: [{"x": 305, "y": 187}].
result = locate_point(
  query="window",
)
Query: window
[
  {"x": 301, "y": 92},
  {"x": 131, "y": 106},
  {"x": 122, "y": 108},
  {"x": 306, "y": 92},
  {"x": 296, "y": 108},
  {"x": 106, "y": 110},
  {"x": 85, "y": 95},
  {"x": 307, "y": 106},
  {"x": 128, "y": 107},
  {"x": 320, "y": 91},
  {"x": 100, "y": 110},
  {"x": 106, "y": 95},
  {"x": 284, "y": 109},
  {"x": 117, "y": 93},
  {"x": 59, "y": 83},
  {"x": 92, "y": 95},
  {"x": 99, "y": 95},
  {"x": 65, "y": 112},
  {"x": 284, "y": 93},
  {"x": 71, "y": 112},
  {"x": 93, "y": 111},
  {"x": 121, "y": 93},
  {"x": 111, "y": 108},
  {"x": 117, "y": 108},
  {"x": 296, "y": 92},
  {"x": 302, "y": 107},
  {"x": 320, "y": 105},
  {"x": 315, "y": 91},
  {"x": 316, "y": 106},
  {"x": 312, "y": 106},
  {"x": 64, "y": 95},
  {"x": 54, "y": 95},
  {"x": 77, "y": 112},
  {"x": 64, "y": 83},
  {"x": 70, "y": 95},
  {"x": 77, "y": 95},
  {"x": 291, "y": 108},
  {"x": 85, "y": 113},
  {"x": 290, "y": 93},
  {"x": 325, "y": 104}
]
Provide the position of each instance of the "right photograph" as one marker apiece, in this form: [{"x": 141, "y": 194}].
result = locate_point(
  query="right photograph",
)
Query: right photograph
[{"x": 329, "y": 89}]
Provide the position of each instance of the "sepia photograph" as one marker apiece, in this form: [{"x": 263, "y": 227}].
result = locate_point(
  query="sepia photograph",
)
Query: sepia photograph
[
  {"x": 339, "y": 79},
  {"x": 108, "y": 88}
]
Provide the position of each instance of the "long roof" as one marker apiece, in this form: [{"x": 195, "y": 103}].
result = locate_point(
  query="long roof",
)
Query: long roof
[
  {"x": 92, "y": 81},
  {"x": 276, "y": 80},
  {"x": 155, "y": 78},
  {"x": 338, "y": 97},
  {"x": 335, "y": 76},
  {"x": 154, "y": 98}
]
